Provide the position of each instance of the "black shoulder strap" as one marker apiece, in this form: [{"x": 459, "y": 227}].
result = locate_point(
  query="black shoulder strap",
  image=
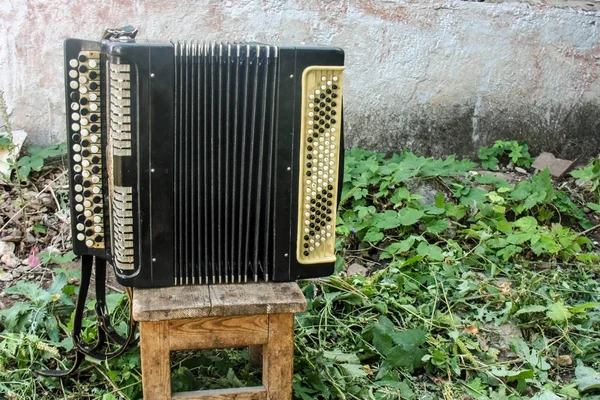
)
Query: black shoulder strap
[{"x": 105, "y": 329}]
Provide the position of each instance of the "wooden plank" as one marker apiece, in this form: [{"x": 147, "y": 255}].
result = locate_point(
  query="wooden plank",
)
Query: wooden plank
[
  {"x": 245, "y": 393},
  {"x": 256, "y": 298},
  {"x": 176, "y": 302},
  {"x": 156, "y": 362},
  {"x": 218, "y": 332},
  {"x": 278, "y": 357},
  {"x": 217, "y": 300},
  {"x": 288, "y": 299}
]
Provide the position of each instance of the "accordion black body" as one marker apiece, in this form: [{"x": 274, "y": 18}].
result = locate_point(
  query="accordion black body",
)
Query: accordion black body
[{"x": 196, "y": 163}]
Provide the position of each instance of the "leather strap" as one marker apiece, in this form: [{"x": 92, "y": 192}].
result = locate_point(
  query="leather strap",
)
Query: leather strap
[{"x": 105, "y": 328}]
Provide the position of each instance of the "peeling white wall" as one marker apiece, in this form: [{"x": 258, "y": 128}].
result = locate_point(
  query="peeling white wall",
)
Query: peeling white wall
[{"x": 434, "y": 76}]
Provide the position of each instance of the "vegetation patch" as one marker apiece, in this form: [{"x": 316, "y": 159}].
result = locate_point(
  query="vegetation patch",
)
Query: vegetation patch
[{"x": 453, "y": 282}]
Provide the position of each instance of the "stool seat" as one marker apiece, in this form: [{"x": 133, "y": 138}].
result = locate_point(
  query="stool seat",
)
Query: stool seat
[
  {"x": 217, "y": 301},
  {"x": 255, "y": 315}
]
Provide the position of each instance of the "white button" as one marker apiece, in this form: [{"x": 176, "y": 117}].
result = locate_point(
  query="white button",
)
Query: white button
[
  {"x": 74, "y": 106},
  {"x": 76, "y": 147},
  {"x": 74, "y": 84},
  {"x": 82, "y": 79},
  {"x": 97, "y": 219},
  {"x": 84, "y": 121},
  {"x": 85, "y": 163},
  {"x": 77, "y": 158},
  {"x": 78, "y": 188},
  {"x": 80, "y": 227},
  {"x": 80, "y": 236},
  {"x": 79, "y": 198},
  {"x": 78, "y": 207},
  {"x": 83, "y": 90},
  {"x": 94, "y": 149},
  {"x": 75, "y": 127},
  {"x": 87, "y": 203},
  {"x": 93, "y": 97},
  {"x": 93, "y": 106},
  {"x": 75, "y": 116},
  {"x": 89, "y": 243},
  {"x": 96, "y": 189},
  {"x": 97, "y": 229},
  {"x": 87, "y": 213},
  {"x": 85, "y": 173},
  {"x": 73, "y": 73},
  {"x": 73, "y": 63},
  {"x": 93, "y": 64}
]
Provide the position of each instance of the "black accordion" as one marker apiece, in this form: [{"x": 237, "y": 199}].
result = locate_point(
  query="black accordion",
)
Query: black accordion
[{"x": 204, "y": 163}]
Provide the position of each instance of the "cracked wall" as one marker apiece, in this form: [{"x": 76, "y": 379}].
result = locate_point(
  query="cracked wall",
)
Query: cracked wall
[{"x": 436, "y": 77}]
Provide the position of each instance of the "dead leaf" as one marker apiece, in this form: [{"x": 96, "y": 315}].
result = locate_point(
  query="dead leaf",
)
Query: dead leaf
[
  {"x": 356, "y": 269},
  {"x": 33, "y": 260},
  {"x": 471, "y": 329},
  {"x": 562, "y": 360},
  {"x": 505, "y": 288}
]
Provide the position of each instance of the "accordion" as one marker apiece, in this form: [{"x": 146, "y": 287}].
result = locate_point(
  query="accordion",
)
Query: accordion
[{"x": 204, "y": 163}]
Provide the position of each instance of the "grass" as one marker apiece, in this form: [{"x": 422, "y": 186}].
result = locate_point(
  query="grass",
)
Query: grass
[{"x": 475, "y": 288}]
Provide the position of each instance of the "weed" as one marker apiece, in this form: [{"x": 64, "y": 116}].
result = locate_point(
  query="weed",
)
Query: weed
[
  {"x": 518, "y": 153},
  {"x": 477, "y": 288}
]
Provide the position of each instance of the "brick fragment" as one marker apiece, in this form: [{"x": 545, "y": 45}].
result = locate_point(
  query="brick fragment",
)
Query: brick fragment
[{"x": 557, "y": 166}]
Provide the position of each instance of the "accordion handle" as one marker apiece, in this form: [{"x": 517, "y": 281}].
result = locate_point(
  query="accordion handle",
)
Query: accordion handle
[
  {"x": 105, "y": 329},
  {"x": 124, "y": 33}
]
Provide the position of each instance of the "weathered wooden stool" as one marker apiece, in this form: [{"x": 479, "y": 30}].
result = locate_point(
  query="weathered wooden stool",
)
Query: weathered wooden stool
[{"x": 219, "y": 316}]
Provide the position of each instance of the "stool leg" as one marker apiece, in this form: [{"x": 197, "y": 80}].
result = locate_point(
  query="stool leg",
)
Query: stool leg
[
  {"x": 156, "y": 361},
  {"x": 278, "y": 357}
]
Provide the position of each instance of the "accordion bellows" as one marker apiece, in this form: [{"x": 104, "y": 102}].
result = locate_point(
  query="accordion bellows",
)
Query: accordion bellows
[{"x": 204, "y": 163}]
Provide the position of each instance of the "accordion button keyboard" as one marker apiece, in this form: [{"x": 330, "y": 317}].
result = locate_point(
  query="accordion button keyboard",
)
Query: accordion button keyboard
[
  {"x": 319, "y": 163},
  {"x": 84, "y": 74}
]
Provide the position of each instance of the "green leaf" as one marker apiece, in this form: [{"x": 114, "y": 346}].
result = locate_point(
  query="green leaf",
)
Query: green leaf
[
  {"x": 373, "y": 235},
  {"x": 339, "y": 356},
  {"x": 399, "y": 195},
  {"x": 474, "y": 196},
  {"x": 398, "y": 247},
  {"x": 410, "y": 337},
  {"x": 531, "y": 309},
  {"x": 383, "y": 330},
  {"x": 409, "y": 216},
  {"x": 403, "y": 357},
  {"x": 509, "y": 251},
  {"x": 386, "y": 220},
  {"x": 5, "y": 141},
  {"x": 526, "y": 223},
  {"x": 582, "y": 307},
  {"x": 437, "y": 226},
  {"x": 557, "y": 312},
  {"x": 354, "y": 370},
  {"x": 39, "y": 228},
  {"x": 593, "y": 206},
  {"x": 587, "y": 378},
  {"x": 431, "y": 251}
]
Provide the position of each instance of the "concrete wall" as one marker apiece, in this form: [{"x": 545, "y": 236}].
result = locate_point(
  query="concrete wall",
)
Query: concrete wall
[{"x": 434, "y": 76}]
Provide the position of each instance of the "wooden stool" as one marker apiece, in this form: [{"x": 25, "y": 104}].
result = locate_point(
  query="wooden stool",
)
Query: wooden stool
[{"x": 219, "y": 316}]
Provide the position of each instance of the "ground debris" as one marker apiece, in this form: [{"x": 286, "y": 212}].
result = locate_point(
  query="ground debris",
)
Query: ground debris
[{"x": 557, "y": 166}]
